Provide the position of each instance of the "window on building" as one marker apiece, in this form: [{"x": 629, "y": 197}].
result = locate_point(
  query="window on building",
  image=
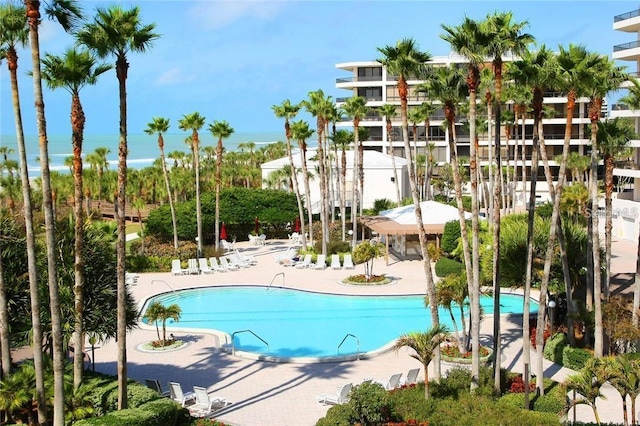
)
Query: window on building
[
  {"x": 370, "y": 74},
  {"x": 370, "y": 93}
]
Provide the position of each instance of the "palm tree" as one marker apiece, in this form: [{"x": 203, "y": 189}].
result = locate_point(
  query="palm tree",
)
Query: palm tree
[
  {"x": 503, "y": 36},
  {"x": 342, "y": 139},
  {"x": 158, "y": 312},
  {"x": 220, "y": 130},
  {"x": 613, "y": 140},
  {"x": 426, "y": 345},
  {"x": 426, "y": 109},
  {"x": 73, "y": 71},
  {"x": 405, "y": 61},
  {"x": 356, "y": 108},
  {"x": 160, "y": 126},
  {"x": 622, "y": 373},
  {"x": 194, "y": 122},
  {"x": 466, "y": 40},
  {"x": 13, "y": 34},
  {"x": 588, "y": 383},
  {"x": 300, "y": 131},
  {"x": 389, "y": 112},
  {"x": 118, "y": 32},
  {"x": 288, "y": 111},
  {"x": 415, "y": 116}
]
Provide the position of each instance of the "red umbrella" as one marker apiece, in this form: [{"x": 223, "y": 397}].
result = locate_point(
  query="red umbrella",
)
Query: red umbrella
[
  {"x": 223, "y": 231},
  {"x": 296, "y": 225},
  {"x": 257, "y": 225}
]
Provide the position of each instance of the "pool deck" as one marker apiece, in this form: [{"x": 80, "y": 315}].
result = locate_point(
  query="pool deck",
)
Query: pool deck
[{"x": 267, "y": 393}]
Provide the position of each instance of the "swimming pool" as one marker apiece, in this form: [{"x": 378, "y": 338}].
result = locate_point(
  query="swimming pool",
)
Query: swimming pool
[{"x": 298, "y": 323}]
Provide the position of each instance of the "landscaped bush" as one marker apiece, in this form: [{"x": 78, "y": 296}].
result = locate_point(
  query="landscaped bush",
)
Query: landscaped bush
[
  {"x": 370, "y": 404},
  {"x": 553, "y": 400},
  {"x": 450, "y": 236},
  {"x": 336, "y": 247},
  {"x": 338, "y": 415},
  {"x": 161, "y": 412},
  {"x": 446, "y": 266},
  {"x": 554, "y": 347},
  {"x": 575, "y": 358}
]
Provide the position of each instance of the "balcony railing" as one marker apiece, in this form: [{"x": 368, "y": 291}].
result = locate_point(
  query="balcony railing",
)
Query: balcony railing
[
  {"x": 626, "y": 46},
  {"x": 620, "y": 107},
  {"x": 627, "y": 15},
  {"x": 358, "y": 78},
  {"x": 368, "y": 98}
]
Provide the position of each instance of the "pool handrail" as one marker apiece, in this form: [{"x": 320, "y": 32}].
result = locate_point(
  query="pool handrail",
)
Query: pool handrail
[
  {"x": 163, "y": 281},
  {"x": 357, "y": 343},
  {"x": 233, "y": 346},
  {"x": 274, "y": 278}
]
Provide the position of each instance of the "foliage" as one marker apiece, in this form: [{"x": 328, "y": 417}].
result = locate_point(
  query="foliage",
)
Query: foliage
[
  {"x": 337, "y": 247},
  {"x": 618, "y": 324},
  {"x": 364, "y": 253},
  {"x": 158, "y": 412},
  {"x": 156, "y": 311},
  {"x": 435, "y": 253},
  {"x": 544, "y": 210},
  {"x": 381, "y": 205},
  {"x": 370, "y": 404},
  {"x": 553, "y": 401},
  {"x": 338, "y": 415},
  {"x": 553, "y": 349},
  {"x": 450, "y": 236},
  {"x": 446, "y": 266},
  {"x": 575, "y": 358}
]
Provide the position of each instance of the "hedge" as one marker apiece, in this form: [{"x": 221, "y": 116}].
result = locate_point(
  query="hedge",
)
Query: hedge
[
  {"x": 160, "y": 412},
  {"x": 450, "y": 236},
  {"x": 553, "y": 349},
  {"x": 446, "y": 266},
  {"x": 575, "y": 358}
]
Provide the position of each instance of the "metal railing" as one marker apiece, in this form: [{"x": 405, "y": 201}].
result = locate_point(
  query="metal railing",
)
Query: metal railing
[
  {"x": 164, "y": 282},
  {"x": 358, "y": 78},
  {"x": 274, "y": 278},
  {"x": 233, "y": 346},
  {"x": 357, "y": 343},
  {"x": 627, "y": 15},
  {"x": 625, "y": 46}
]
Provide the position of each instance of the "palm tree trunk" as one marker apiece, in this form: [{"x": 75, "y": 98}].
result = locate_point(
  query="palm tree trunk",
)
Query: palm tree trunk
[
  {"x": 524, "y": 158},
  {"x": 608, "y": 191},
  {"x": 174, "y": 221},
  {"x": 497, "y": 338},
  {"x": 598, "y": 347},
  {"x": 196, "y": 166},
  {"x": 218, "y": 187},
  {"x": 5, "y": 342},
  {"x": 294, "y": 175},
  {"x": 323, "y": 182},
  {"x": 568, "y": 288},
  {"x": 307, "y": 193},
  {"x": 47, "y": 205},
  {"x": 354, "y": 193},
  {"x": 393, "y": 162},
  {"x": 343, "y": 191}
]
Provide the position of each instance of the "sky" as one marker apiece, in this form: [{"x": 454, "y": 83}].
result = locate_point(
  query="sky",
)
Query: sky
[{"x": 234, "y": 60}]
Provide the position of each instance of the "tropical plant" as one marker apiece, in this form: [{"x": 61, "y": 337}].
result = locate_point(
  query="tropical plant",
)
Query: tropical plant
[
  {"x": 588, "y": 385},
  {"x": 118, "y": 32},
  {"x": 220, "y": 130},
  {"x": 365, "y": 253},
  {"x": 389, "y": 112},
  {"x": 157, "y": 312},
  {"x": 300, "y": 131},
  {"x": 425, "y": 346}
]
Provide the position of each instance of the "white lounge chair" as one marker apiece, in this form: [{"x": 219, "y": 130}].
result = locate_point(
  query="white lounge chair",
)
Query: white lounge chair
[
  {"x": 262, "y": 238},
  {"x": 412, "y": 377},
  {"x": 321, "y": 262},
  {"x": 203, "y": 265},
  {"x": 287, "y": 256},
  {"x": 347, "y": 262},
  {"x": 155, "y": 385},
  {"x": 392, "y": 383},
  {"x": 206, "y": 404},
  {"x": 234, "y": 260},
  {"x": 175, "y": 393},
  {"x": 340, "y": 397},
  {"x": 193, "y": 267},
  {"x": 295, "y": 238},
  {"x": 176, "y": 268},
  {"x": 305, "y": 262},
  {"x": 213, "y": 263},
  {"x": 242, "y": 258},
  {"x": 226, "y": 245},
  {"x": 335, "y": 262},
  {"x": 224, "y": 261}
]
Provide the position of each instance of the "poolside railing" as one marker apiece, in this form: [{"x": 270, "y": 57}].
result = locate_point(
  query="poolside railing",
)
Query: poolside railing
[
  {"x": 274, "y": 278},
  {"x": 164, "y": 282},
  {"x": 233, "y": 335},
  {"x": 357, "y": 343}
]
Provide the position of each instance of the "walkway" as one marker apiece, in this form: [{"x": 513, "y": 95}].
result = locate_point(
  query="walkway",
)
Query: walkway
[{"x": 266, "y": 393}]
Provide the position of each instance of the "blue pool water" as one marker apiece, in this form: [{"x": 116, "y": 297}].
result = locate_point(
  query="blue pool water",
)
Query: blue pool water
[{"x": 305, "y": 324}]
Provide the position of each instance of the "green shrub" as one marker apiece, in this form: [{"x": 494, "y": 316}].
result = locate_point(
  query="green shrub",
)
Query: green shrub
[
  {"x": 513, "y": 400},
  {"x": 575, "y": 358},
  {"x": 446, "y": 266},
  {"x": 554, "y": 347},
  {"x": 338, "y": 415},
  {"x": 160, "y": 412},
  {"x": 450, "y": 236},
  {"x": 409, "y": 404},
  {"x": 369, "y": 403},
  {"x": 553, "y": 401},
  {"x": 336, "y": 247}
]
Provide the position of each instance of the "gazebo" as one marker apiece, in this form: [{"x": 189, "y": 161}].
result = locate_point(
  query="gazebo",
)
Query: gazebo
[{"x": 401, "y": 222}]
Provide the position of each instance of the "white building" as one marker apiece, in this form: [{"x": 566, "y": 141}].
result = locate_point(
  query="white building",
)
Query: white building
[
  {"x": 379, "y": 181},
  {"x": 626, "y": 206}
]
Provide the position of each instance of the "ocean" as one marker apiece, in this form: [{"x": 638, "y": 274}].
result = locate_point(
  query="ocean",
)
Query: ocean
[{"x": 143, "y": 148}]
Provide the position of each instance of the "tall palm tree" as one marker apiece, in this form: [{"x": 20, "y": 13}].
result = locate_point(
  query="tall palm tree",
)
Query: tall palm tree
[
  {"x": 160, "y": 126},
  {"x": 466, "y": 40},
  {"x": 587, "y": 383},
  {"x": 300, "y": 131},
  {"x": 405, "y": 60},
  {"x": 503, "y": 36},
  {"x": 288, "y": 111},
  {"x": 158, "y": 312},
  {"x": 67, "y": 13},
  {"x": 415, "y": 116},
  {"x": 356, "y": 108},
  {"x": 613, "y": 140},
  {"x": 118, "y": 32},
  {"x": 389, "y": 112},
  {"x": 13, "y": 34},
  {"x": 73, "y": 71},
  {"x": 605, "y": 77},
  {"x": 425, "y": 345},
  {"x": 194, "y": 123},
  {"x": 220, "y": 130},
  {"x": 342, "y": 139},
  {"x": 426, "y": 110}
]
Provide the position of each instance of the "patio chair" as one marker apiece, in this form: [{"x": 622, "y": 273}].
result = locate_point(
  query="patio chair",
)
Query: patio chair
[
  {"x": 347, "y": 262},
  {"x": 335, "y": 262},
  {"x": 206, "y": 404},
  {"x": 243, "y": 258},
  {"x": 226, "y": 245},
  {"x": 321, "y": 262},
  {"x": 262, "y": 238},
  {"x": 305, "y": 262},
  {"x": 340, "y": 397},
  {"x": 175, "y": 392},
  {"x": 233, "y": 259},
  {"x": 392, "y": 383},
  {"x": 176, "y": 268},
  {"x": 213, "y": 262},
  {"x": 286, "y": 257},
  {"x": 412, "y": 377},
  {"x": 155, "y": 385},
  {"x": 193, "y": 267},
  {"x": 224, "y": 262},
  {"x": 203, "y": 265},
  {"x": 131, "y": 278}
]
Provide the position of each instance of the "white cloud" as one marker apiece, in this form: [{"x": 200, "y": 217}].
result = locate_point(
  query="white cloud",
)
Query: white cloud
[
  {"x": 172, "y": 76},
  {"x": 216, "y": 14}
]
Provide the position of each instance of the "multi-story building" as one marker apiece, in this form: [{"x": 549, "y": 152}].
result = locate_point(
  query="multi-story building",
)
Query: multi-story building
[
  {"x": 626, "y": 206},
  {"x": 370, "y": 80}
]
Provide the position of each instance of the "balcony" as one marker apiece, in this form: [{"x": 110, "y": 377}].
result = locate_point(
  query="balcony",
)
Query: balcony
[
  {"x": 354, "y": 79},
  {"x": 627, "y": 51},
  {"x": 368, "y": 98},
  {"x": 628, "y": 22},
  {"x": 623, "y": 110}
]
